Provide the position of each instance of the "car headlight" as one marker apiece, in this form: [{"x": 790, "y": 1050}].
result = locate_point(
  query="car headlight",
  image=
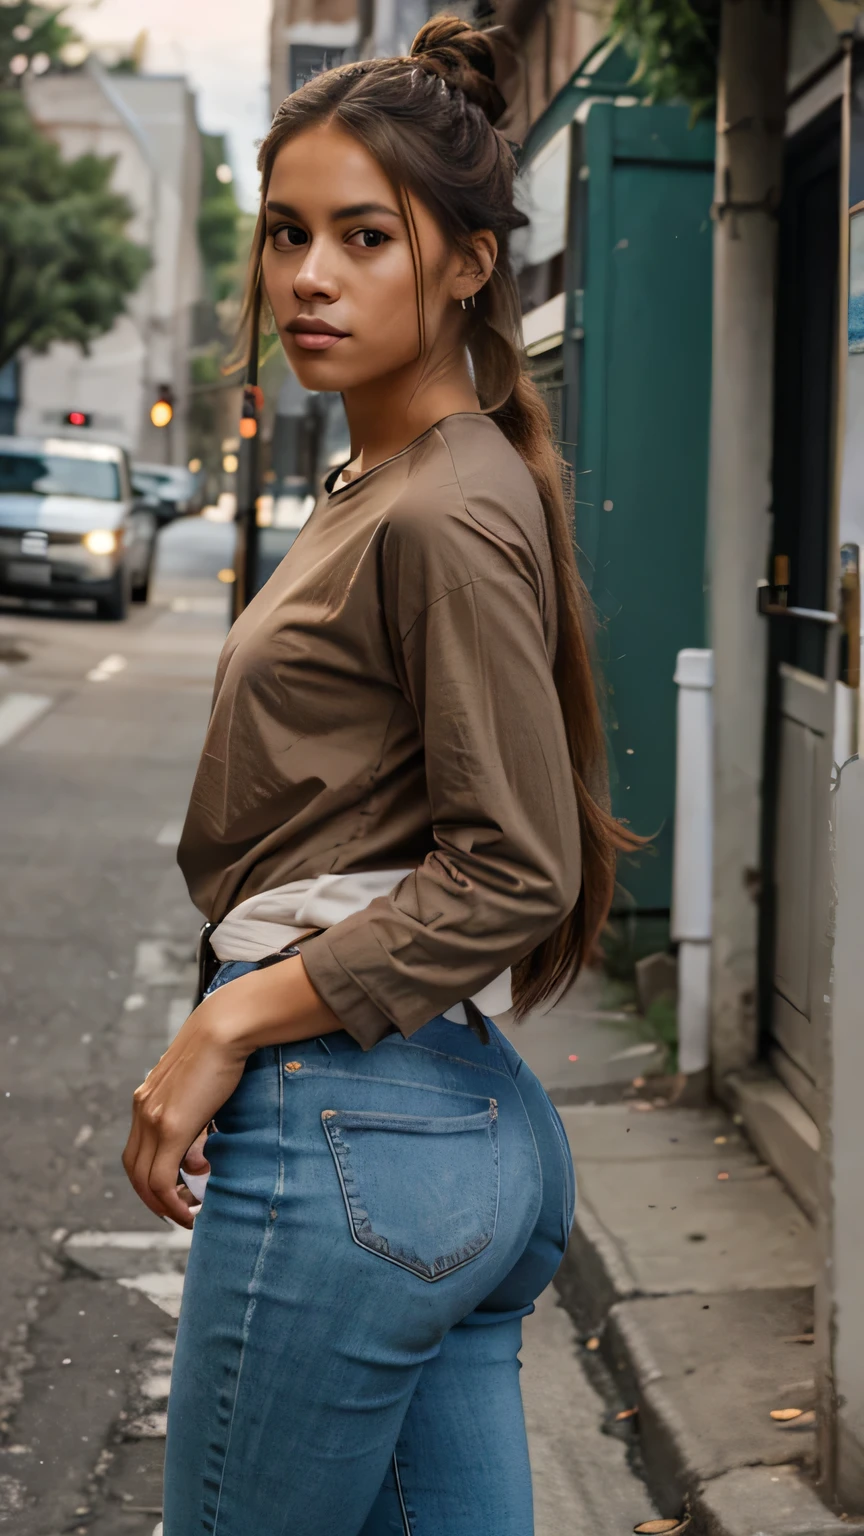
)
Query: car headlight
[{"x": 100, "y": 541}]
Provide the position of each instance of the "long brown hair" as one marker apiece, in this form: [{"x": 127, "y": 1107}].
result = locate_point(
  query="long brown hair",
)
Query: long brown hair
[{"x": 429, "y": 122}]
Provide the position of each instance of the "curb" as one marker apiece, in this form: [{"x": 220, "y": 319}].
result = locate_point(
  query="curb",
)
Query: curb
[{"x": 754, "y": 1490}]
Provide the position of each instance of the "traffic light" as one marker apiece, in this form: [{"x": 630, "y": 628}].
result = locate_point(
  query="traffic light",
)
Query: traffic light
[
  {"x": 77, "y": 418},
  {"x": 162, "y": 409},
  {"x": 253, "y": 401}
]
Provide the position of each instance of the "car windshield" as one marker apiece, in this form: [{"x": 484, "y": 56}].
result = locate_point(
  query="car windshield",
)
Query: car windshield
[
  {"x": 168, "y": 487},
  {"x": 49, "y": 474}
]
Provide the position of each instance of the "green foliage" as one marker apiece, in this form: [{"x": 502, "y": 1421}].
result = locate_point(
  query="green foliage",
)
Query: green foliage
[
  {"x": 676, "y": 44},
  {"x": 40, "y": 35},
  {"x": 218, "y": 218},
  {"x": 66, "y": 266}
]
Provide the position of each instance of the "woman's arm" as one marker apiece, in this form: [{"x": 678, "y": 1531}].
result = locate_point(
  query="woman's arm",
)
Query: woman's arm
[
  {"x": 203, "y": 1065},
  {"x": 505, "y": 866}
]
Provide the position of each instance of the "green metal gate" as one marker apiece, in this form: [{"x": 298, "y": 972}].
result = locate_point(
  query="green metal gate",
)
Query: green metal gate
[
  {"x": 642, "y": 357},
  {"x": 629, "y": 391}
]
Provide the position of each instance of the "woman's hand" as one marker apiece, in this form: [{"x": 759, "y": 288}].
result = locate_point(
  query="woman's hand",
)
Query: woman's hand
[
  {"x": 201, "y": 1068},
  {"x": 175, "y": 1103}
]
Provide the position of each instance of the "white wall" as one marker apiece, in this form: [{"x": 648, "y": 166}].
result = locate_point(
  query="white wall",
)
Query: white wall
[{"x": 148, "y": 124}]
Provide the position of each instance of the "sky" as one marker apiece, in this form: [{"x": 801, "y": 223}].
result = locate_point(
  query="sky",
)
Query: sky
[{"x": 222, "y": 48}]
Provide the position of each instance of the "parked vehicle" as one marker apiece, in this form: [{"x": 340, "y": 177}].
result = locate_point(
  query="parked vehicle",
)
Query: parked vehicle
[
  {"x": 171, "y": 490},
  {"x": 71, "y": 525}
]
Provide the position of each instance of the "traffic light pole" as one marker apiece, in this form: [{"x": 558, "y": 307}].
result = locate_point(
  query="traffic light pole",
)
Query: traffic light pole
[
  {"x": 246, "y": 547},
  {"x": 246, "y": 524}
]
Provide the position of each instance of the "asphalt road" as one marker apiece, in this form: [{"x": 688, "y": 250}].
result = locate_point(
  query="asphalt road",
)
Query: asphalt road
[{"x": 100, "y": 726}]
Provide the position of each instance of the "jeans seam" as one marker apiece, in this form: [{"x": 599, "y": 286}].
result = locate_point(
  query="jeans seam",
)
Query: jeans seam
[
  {"x": 403, "y": 1507},
  {"x": 462, "y": 1061},
  {"x": 391, "y": 1082},
  {"x": 251, "y": 1299}
]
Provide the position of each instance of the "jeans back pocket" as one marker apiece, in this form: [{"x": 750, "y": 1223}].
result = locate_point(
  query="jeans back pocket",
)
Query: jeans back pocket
[{"x": 419, "y": 1190}]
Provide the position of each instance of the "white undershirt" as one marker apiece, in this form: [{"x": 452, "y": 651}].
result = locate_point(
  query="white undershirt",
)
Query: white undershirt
[{"x": 263, "y": 924}]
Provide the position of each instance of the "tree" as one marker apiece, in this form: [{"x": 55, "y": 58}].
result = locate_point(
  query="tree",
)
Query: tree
[
  {"x": 66, "y": 266},
  {"x": 32, "y": 38},
  {"x": 218, "y": 217},
  {"x": 677, "y": 46}
]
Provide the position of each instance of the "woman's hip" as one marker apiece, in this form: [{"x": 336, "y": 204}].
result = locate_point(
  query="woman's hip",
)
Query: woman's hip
[{"x": 435, "y": 1156}]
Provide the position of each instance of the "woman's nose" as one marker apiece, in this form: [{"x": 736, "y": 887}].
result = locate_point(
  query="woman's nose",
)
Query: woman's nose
[{"x": 314, "y": 281}]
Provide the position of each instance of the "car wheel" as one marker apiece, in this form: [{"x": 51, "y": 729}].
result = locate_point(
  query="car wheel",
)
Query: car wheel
[
  {"x": 141, "y": 589},
  {"x": 114, "y": 606}
]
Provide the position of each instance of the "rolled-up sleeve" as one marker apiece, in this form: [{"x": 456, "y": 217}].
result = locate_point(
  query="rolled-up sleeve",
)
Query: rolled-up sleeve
[{"x": 505, "y": 867}]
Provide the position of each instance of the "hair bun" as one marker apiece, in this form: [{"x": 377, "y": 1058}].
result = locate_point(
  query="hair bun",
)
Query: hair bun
[{"x": 451, "y": 48}]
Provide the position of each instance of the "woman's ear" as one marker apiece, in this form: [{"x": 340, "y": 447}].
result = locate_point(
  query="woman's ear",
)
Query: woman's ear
[{"x": 477, "y": 266}]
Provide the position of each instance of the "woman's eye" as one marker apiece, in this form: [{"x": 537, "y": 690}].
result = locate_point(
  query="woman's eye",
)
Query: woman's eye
[
  {"x": 368, "y": 239},
  {"x": 289, "y": 235}
]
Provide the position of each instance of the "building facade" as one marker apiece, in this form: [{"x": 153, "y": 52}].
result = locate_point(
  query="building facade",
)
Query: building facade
[{"x": 147, "y": 123}]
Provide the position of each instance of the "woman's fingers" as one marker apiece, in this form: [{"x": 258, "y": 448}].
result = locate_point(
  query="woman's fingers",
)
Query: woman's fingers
[
  {"x": 195, "y": 1161},
  {"x": 138, "y": 1163},
  {"x": 162, "y": 1184}
]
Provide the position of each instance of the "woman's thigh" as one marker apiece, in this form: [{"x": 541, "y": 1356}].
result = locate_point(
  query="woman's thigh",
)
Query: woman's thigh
[
  {"x": 360, "y": 1206},
  {"x": 460, "y": 1464}
]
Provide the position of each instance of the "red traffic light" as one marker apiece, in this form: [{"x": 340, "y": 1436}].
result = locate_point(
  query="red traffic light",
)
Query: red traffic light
[{"x": 78, "y": 418}]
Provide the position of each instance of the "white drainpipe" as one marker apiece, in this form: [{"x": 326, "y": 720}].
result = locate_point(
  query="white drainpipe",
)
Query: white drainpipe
[{"x": 691, "y": 878}]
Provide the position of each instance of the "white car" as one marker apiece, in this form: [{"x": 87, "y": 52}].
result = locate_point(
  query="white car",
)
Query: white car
[{"x": 71, "y": 525}]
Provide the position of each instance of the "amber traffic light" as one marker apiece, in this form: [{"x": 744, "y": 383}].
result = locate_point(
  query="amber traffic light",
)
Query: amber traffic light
[{"x": 162, "y": 409}]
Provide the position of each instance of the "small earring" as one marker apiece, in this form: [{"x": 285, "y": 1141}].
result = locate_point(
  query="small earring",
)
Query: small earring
[{"x": 469, "y": 303}]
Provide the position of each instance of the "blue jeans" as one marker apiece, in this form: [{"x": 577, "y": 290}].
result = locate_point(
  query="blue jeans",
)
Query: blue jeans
[{"x": 375, "y": 1227}]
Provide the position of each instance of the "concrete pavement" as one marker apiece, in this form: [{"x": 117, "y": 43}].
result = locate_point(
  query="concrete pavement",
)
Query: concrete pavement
[{"x": 96, "y": 943}]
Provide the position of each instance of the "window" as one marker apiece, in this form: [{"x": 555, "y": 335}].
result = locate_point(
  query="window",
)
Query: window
[
  {"x": 308, "y": 59},
  {"x": 44, "y": 474}
]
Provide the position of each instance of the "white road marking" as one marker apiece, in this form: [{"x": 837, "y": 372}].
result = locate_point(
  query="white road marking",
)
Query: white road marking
[
  {"x": 108, "y": 667},
  {"x": 198, "y": 605},
  {"x": 150, "y": 1262},
  {"x": 150, "y": 1426},
  {"x": 157, "y": 1385},
  {"x": 165, "y": 1236},
  {"x": 164, "y": 1290},
  {"x": 169, "y": 835},
  {"x": 179, "y": 1010},
  {"x": 18, "y": 710}
]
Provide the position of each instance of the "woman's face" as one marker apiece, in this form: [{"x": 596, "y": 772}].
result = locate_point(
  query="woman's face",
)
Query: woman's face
[{"x": 338, "y": 268}]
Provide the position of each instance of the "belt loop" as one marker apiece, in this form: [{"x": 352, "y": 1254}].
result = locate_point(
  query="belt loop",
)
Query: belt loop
[
  {"x": 476, "y": 1021},
  {"x": 208, "y": 964}
]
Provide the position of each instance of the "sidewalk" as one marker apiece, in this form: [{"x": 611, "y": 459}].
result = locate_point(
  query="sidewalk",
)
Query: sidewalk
[{"x": 694, "y": 1268}]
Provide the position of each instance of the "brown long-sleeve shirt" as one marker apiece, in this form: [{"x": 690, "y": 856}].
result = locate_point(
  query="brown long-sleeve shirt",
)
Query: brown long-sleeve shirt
[{"x": 387, "y": 701}]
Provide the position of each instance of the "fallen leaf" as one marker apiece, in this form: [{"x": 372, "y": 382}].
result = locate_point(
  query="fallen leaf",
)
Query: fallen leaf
[
  {"x": 661, "y": 1527},
  {"x": 626, "y": 1413},
  {"x": 638, "y": 1082},
  {"x": 797, "y": 1338},
  {"x": 642, "y": 1104},
  {"x": 805, "y": 1420},
  {"x": 572, "y": 1058},
  {"x": 592, "y": 1343},
  {"x": 782, "y": 1414},
  {"x": 722, "y": 1176},
  {"x": 719, "y": 1141}
]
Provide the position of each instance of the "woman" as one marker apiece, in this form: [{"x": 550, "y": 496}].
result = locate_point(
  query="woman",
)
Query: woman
[{"x": 394, "y": 803}]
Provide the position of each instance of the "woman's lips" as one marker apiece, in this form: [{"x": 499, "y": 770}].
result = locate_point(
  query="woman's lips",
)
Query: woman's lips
[{"x": 316, "y": 341}]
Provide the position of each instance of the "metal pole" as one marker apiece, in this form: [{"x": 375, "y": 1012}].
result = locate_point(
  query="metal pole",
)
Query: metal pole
[
  {"x": 247, "y": 519},
  {"x": 246, "y": 546}
]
